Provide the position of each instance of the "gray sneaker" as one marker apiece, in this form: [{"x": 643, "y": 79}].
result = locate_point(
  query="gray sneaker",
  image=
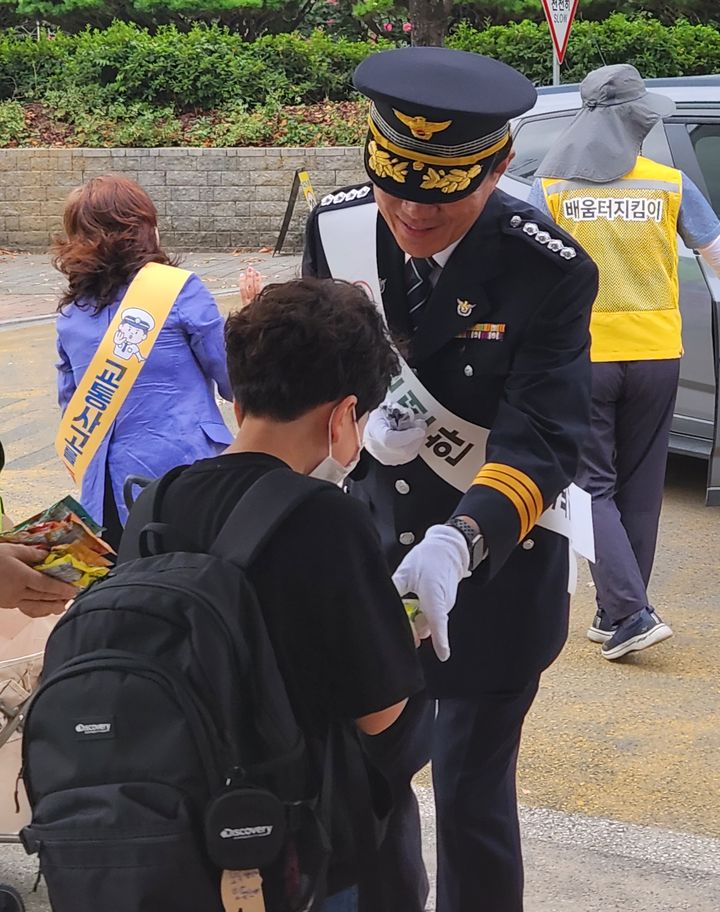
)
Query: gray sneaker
[{"x": 638, "y": 632}]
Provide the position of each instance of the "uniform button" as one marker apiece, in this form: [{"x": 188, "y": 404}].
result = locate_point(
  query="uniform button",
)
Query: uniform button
[
  {"x": 528, "y": 544},
  {"x": 468, "y": 370},
  {"x": 402, "y": 487},
  {"x": 407, "y": 538}
]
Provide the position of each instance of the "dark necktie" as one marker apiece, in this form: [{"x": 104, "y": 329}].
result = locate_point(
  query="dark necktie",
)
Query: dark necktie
[{"x": 419, "y": 287}]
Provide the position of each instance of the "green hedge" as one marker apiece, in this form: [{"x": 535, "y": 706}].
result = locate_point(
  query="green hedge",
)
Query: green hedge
[
  {"x": 201, "y": 69},
  {"x": 207, "y": 86},
  {"x": 655, "y": 49},
  {"x": 209, "y": 67}
]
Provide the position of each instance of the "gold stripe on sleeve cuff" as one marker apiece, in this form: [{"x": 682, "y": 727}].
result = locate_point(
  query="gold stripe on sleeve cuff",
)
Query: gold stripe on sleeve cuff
[
  {"x": 505, "y": 478},
  {"x": 490, "y": 480},
  {"x": 522, "y": 479}
]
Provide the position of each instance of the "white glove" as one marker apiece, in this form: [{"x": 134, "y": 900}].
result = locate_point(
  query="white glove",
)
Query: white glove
[
  {"x": 394, "y": 434},
  {"x": 433, "y": 570}
]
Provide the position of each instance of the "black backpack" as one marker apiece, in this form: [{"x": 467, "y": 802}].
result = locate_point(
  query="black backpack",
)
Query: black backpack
[{"x": 161, "y": 746}]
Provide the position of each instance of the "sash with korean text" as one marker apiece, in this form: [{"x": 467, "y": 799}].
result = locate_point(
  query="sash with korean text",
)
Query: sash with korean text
[
  {"x": 116, "y": 364},
  {"x": 454, "y": 448}
]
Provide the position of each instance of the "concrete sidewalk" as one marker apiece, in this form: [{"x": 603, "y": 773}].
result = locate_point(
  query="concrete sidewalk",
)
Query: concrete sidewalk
[
  {"x": 30, "y": 287},
  {"x": 573, "y": 864}
]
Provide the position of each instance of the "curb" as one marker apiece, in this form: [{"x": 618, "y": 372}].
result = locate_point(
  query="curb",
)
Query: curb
[
  {"x": 22, "y": 321},
  {"x": 15, "y": 322}
]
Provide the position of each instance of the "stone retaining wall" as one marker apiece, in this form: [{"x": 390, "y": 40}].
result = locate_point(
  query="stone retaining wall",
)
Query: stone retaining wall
[{"x": 207, "y": 199}]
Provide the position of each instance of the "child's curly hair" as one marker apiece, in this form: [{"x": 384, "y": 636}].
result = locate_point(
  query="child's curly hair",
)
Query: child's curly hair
[{"x": 303, "y": 343}]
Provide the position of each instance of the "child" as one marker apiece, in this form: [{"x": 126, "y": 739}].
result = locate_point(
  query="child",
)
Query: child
[{"x": 307, "y": 361}]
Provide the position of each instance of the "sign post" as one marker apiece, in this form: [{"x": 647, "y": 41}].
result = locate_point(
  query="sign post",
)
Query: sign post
[
  {"x": 301, "y": 181},
  {"x": 559, "y": 15}
]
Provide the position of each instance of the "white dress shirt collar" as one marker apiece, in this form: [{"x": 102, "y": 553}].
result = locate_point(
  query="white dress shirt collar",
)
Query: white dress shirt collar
[{"x": 443, "y": 256}]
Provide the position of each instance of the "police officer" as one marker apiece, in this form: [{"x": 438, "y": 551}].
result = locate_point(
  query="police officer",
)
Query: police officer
[
  {"x": 490, "y": 302},
  {"x": 627, "y": 211}
]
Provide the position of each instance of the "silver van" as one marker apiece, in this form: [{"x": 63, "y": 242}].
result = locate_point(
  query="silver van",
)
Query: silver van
[{"x": 689, "y": 140}]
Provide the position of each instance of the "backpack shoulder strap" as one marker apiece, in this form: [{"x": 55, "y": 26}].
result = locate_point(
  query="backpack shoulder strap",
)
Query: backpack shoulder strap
[{"x": 260, "y": 511}]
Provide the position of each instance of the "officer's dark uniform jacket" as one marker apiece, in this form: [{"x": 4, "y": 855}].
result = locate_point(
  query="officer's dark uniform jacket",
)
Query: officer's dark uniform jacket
[{"x": 531, "y": 386}]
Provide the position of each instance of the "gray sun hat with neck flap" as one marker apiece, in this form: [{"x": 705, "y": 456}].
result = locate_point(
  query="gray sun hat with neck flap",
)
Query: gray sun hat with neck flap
[{"x": 604, "y": 140}]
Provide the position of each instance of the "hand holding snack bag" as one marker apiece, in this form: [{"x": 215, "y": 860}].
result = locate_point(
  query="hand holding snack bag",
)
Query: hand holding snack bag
[
  {"x": 65, "y": 544},
  {"x": 35, "y": 594},
  {"x": 22, "y": 587}
]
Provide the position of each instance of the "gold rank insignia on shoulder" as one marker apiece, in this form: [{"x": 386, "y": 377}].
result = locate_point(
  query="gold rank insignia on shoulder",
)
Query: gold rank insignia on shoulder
[
  {"x": 464, "y": 308},
  {"x": 493, "y": 332},
  {"x": 420, "y": 127}
]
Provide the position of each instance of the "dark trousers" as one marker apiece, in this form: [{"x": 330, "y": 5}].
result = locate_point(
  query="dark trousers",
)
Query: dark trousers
[
  {"x": 475, "y": 749},
  {"x": 475, "y": 744},
  {"x": 623, "y": 469},
  {"x": 400, "y": 752}
]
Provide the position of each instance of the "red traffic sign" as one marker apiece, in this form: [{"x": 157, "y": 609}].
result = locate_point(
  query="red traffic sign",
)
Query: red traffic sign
[{"x": 560, "y": 15}]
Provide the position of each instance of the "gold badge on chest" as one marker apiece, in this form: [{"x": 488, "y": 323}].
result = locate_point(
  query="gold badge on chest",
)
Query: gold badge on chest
[{"x": 464, "y": 308}]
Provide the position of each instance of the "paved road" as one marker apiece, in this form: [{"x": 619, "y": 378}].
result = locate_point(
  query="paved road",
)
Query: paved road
[
  {"x": 635, "y": 743},
  {"x": 30, "y": 287}
]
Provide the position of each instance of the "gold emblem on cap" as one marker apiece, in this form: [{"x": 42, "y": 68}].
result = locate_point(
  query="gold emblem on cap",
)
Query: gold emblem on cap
[
  {"x": 452, "y": 181},
  {"x": 385, "y": 166},
  {"x": 420, "y": 127}
]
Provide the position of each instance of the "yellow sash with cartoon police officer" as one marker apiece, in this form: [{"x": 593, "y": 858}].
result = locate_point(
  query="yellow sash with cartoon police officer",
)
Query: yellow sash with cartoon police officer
[{"x": 116, "y": 364}]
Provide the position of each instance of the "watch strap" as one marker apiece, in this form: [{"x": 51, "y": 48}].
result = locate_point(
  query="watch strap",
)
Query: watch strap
[{"x": 474, "y": 539}]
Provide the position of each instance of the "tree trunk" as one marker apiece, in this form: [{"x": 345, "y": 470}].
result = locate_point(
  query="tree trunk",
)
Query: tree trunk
[{"x": 429, "y": 21}]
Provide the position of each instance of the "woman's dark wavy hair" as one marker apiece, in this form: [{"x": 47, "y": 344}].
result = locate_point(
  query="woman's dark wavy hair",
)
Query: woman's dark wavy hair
[
  {"x": 303, "y": 343},
  {"x": 110, "y": 233}
]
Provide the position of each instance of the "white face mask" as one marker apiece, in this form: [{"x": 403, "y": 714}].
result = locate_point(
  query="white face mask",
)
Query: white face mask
[{"x": 330, "y": 469}]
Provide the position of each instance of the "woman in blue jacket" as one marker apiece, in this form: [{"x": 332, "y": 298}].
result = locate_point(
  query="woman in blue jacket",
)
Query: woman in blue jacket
[{"x": 170, "y": 416}]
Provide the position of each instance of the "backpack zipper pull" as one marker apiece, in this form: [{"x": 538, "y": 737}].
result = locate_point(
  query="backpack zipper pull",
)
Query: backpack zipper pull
[{"x": 236, "y": 773}]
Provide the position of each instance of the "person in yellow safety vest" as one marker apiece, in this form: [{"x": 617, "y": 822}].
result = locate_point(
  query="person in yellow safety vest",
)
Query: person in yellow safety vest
[{"x": 626, "y": 211}]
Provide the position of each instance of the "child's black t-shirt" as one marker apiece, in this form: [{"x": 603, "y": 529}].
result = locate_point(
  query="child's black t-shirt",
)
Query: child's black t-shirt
[{"x": 336, "y": 622}]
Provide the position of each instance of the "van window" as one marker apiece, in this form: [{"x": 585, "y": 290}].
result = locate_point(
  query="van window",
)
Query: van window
[
  {"x": 656, "y": 145},
  {"x": 705, "y": 138},
  {"x": 532, "y": 141}
]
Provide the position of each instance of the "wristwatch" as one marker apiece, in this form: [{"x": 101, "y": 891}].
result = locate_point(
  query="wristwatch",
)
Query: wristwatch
[{"x": 475, "y": 540}]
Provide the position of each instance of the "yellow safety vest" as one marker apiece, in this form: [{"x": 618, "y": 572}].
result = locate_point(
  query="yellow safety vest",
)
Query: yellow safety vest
[{"x": 629, "y": 227}]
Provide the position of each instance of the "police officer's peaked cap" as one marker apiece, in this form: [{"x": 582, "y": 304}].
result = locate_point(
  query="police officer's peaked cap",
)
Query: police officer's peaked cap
[{"x": 438, "y": 120}]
